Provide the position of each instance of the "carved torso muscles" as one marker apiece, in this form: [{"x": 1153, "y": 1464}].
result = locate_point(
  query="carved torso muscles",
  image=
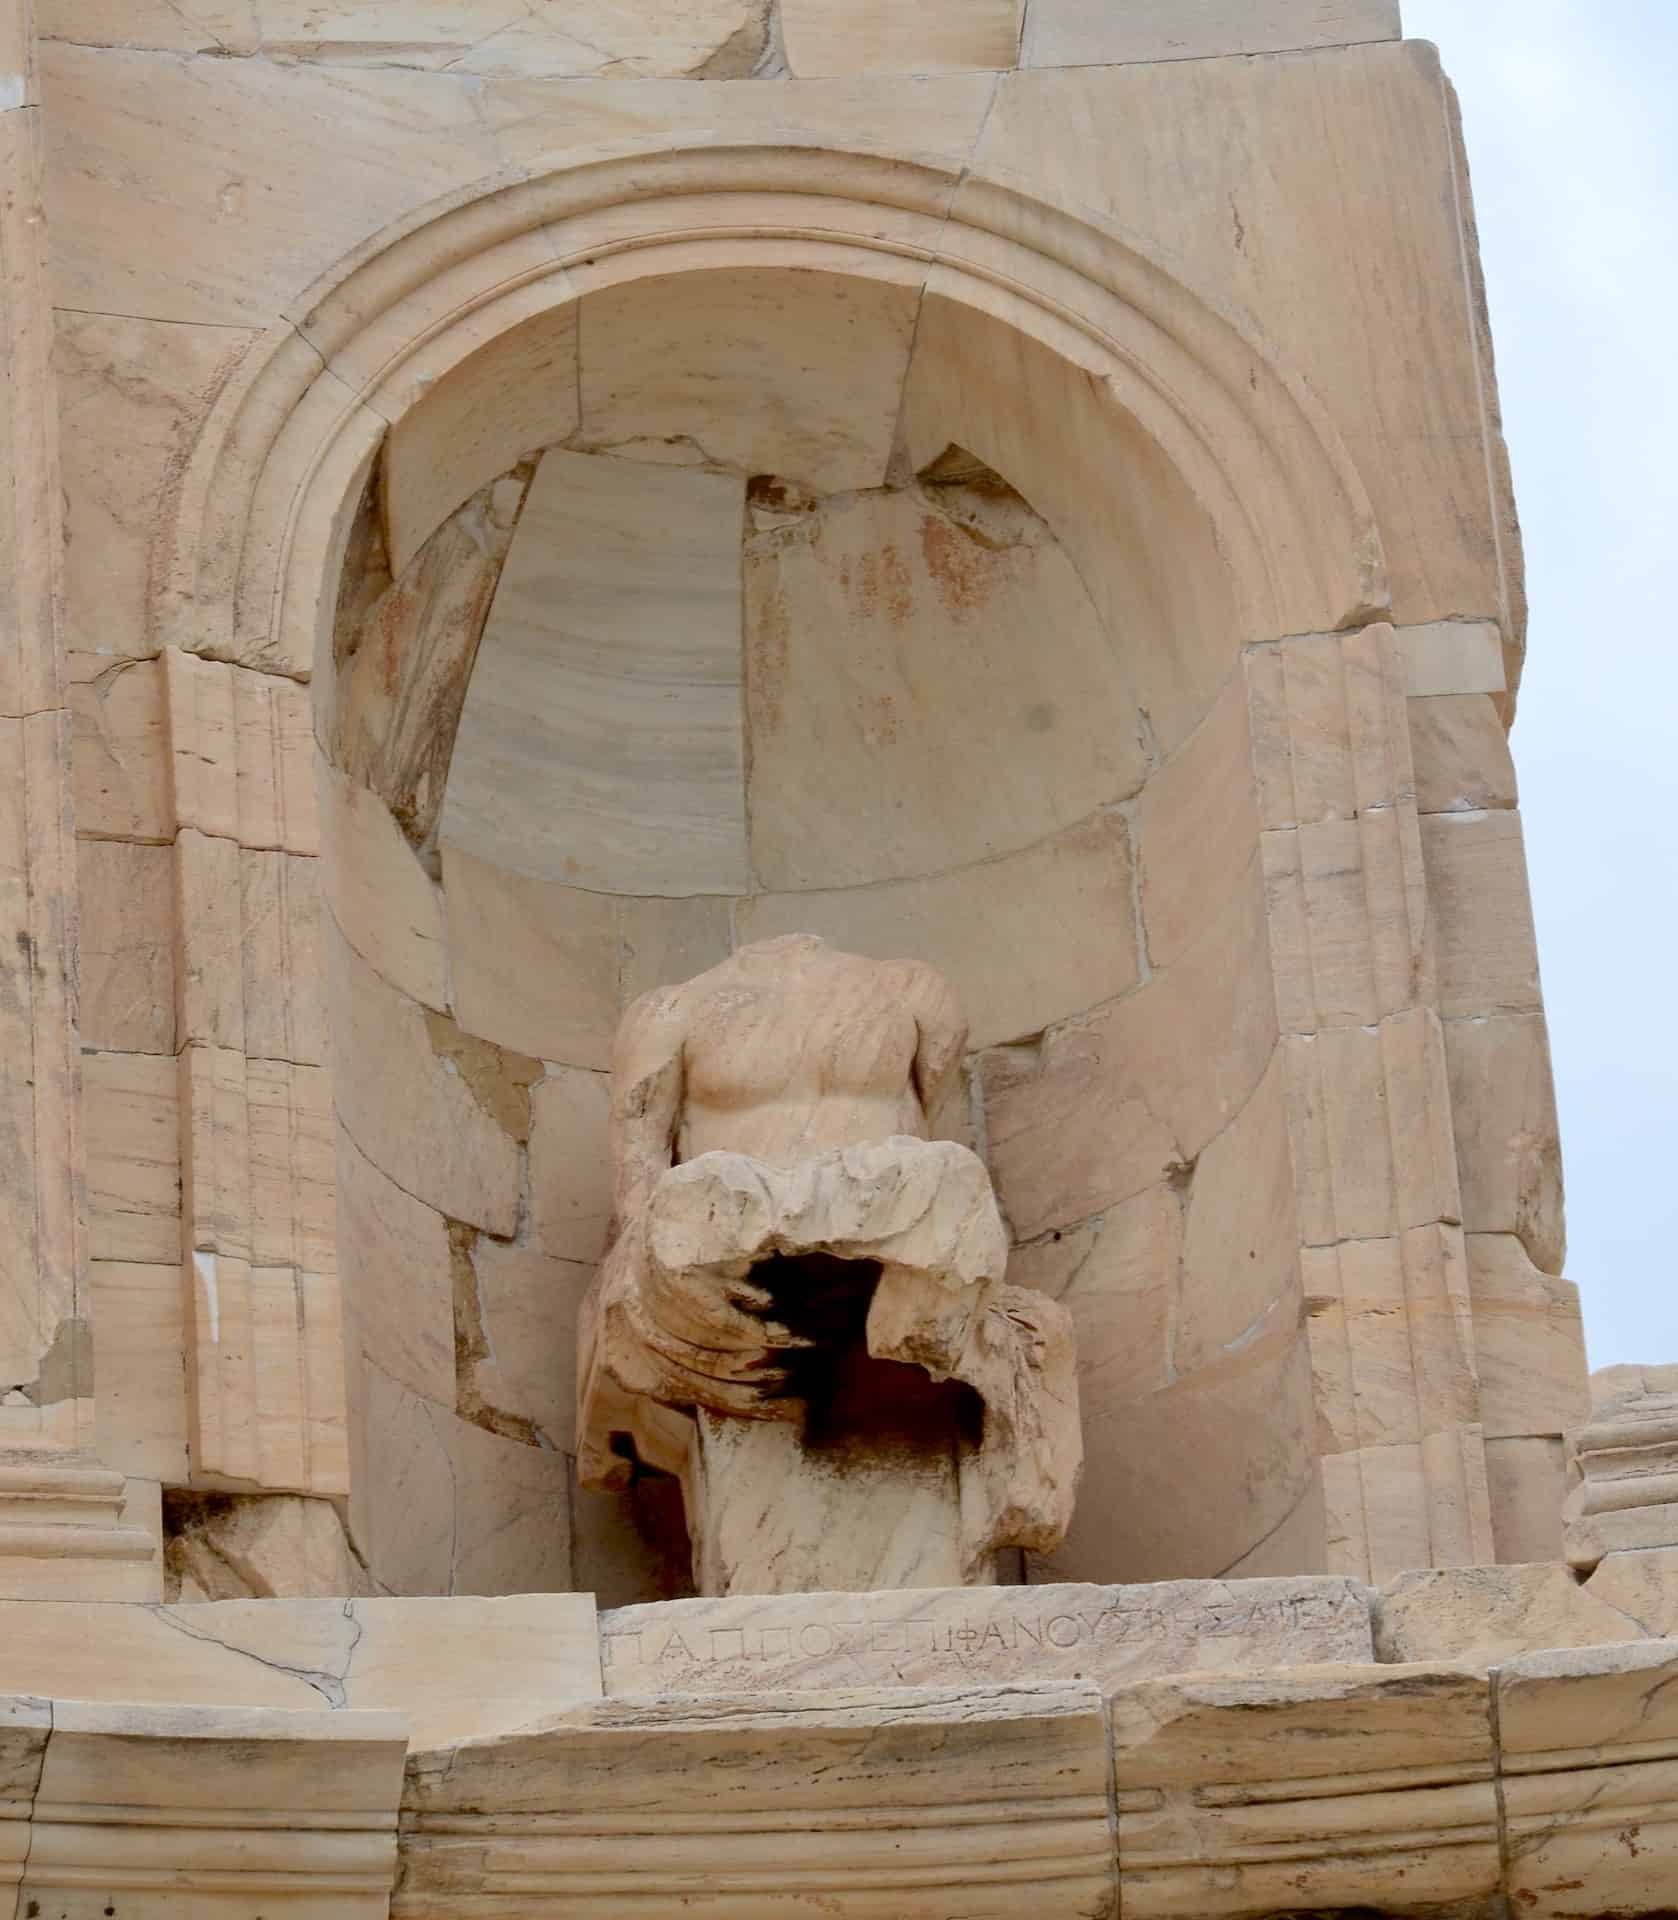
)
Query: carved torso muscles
[{"x": 786, "y": 1050}]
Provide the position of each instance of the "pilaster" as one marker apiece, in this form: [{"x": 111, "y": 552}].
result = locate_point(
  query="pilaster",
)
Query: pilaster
[{"x": 61, "y": 1520}]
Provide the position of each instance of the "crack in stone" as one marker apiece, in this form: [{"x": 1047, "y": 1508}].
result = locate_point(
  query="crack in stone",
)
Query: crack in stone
[{"x": 329, "y": 1686}]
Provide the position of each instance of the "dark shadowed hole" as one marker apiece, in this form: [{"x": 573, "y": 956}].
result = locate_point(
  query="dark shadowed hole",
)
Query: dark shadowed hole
[{"x": 857, "y": 1404}]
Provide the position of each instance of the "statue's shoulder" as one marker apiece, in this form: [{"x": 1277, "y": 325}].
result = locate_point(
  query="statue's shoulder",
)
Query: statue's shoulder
[
  {"x": 650, "y": 1029},
  {"x": 918, "y": 980}
]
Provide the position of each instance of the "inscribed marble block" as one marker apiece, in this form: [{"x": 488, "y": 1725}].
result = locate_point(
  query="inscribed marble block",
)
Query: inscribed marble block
[{"x": 981, "y": 1635}]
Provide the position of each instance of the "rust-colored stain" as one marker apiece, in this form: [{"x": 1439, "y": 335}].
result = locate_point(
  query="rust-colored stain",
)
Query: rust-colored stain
[
  {"x": 768, "y": 642},
  {"x": 960, "y": 567},
  {"x": 879, "y": 582},
  {"x": 393, "y": 619}
]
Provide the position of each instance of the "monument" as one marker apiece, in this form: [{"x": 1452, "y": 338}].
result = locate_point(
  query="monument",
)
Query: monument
[{"x": 753, "y": 781}]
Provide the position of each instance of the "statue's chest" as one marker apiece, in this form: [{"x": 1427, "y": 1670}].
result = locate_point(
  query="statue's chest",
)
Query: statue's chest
[{"x": 750, "y": 1043}]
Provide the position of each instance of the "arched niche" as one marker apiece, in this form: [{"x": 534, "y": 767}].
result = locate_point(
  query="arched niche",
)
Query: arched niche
[{"x": 963, "y": 513}]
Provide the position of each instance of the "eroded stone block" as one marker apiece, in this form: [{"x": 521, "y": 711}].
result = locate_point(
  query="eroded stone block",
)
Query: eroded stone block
[{"x": 999, "y": 1636}]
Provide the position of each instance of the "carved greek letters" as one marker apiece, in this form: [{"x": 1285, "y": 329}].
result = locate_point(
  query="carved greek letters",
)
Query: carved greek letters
[{"x": 959, "y": 1635}]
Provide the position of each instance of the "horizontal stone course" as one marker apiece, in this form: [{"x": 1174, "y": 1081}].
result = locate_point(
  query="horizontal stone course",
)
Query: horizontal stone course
[{"x": 536, "y": 1781}]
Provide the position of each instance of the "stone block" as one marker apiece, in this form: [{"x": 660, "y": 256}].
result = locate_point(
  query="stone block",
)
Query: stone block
[
  {"x": 662, "y": 942},
  {"x": 1461, "y": 751},
  {"x": 698, "y": 38},
  {"x": 1589, "y": 1768},
  {"x": 131, "y": 1113},
  {"x": 1118, "y": 1279},
  {"x": 392, "y": 721},
  {"x": 259, "y": 1547},
  {"x": 442, "y": 1506},
  {"x": 1102, "y": 1109},
  {"x": 601, "y": 743},
  {"x": 1363, "y": 1362},
  {"x": 1641, "y": 1588},
  {"x": 394, "y": 1255},
  {"x": 570, "y": 1164},
  {"x": 1484, "y": 1616},
  {"x": 127, "y": 947},
  {"x": 1197, "y": 828},
  {"x": 1446, "y": 657},
  {"x": 132, "y": 392},
  {"x": 963, "y": 1637},
  {"x": 401, "y": 1507},
  {"x": 1076, "y": 33},
  {"x": 934, "y": 116},
  {"x": 1526, "y": 1480},
  {"x": 202, "y": 731},
  {"x": 983, "y": 928},
  {"x": 275, "y": 786},
  {"x": 1345, "y": 913},
  {"x": 1163, "y": 149},
  {"x": 1326, "y": 723},
  {"x": 1184, "y": 1483},
  {"x": 520, "y": 1376},
  {"x": 714, "y": 1781},
  {"x": 216, "y": 1173},
  {"x": 1503, "y": 1108},
  {"x": 267, "y": 1398},
  {"x": 981, "y": 385},
  {"x": 284, "y": 986},
  {"x": 130, "y": 128},
  {"x": 902, "y": 721},
  {"x": 139, "y": 1314},
  {"x": 209, "y": 973},
  {"x": 533, "y": 965},
  {"x": 1325, "y": 1788},
  {"x": 1391, "y": 1508},
  {"x": 119, "y": 755},
  {"x": 515, "y": 395},
  {"x": 135, "y": 1797},
  {"x": 410, "y": 1109},
  {"x": 456, "y": 1667},
  {"x": 385, "y": 904},
  {"x": 1623, "y": 1468},
  {"x": 1482, "y": 913},
  {"x": 876, "y": 37},
  {"x": 1529, "y": 1342},
  {"x": 768, "y": 372},
  {"x": 289, "y": 1117},
  {"x": 1240, "y": 1244}
]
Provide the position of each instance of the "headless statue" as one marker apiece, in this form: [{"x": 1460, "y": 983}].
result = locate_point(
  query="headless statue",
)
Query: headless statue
[{"x": 802, "y": 1309}]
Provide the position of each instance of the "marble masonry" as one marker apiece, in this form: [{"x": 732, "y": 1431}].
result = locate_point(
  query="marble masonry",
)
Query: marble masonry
[{"x": 777, "y": 1114}]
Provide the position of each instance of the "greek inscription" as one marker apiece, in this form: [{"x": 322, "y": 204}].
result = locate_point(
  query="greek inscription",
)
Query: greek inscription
[{"x": 1063, "y": 1630}]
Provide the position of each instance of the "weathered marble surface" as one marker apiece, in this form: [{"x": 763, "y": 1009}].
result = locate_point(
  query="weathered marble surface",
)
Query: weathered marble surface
[
  {"x": 931, "y": 1804},
  {"x": 1005, "y": 1636},
  {"x": 456, "y": 1667},
  {"x": 1624, "y": 1466},
  {"x": 1312, "y": 1790},
  {"x": 787, "y": 1249}
]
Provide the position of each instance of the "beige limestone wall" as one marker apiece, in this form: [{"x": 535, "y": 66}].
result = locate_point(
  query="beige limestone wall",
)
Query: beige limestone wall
[{"x": 1013, "y": 731}]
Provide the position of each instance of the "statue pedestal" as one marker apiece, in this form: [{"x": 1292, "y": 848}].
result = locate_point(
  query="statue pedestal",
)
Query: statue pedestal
[
  {"x": 772, "y": 1516},
  {"x": 862, "y": 1492}
]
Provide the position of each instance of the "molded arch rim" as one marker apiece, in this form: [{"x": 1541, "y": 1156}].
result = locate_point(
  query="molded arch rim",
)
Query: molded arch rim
[{"x": 251, "y": 546}]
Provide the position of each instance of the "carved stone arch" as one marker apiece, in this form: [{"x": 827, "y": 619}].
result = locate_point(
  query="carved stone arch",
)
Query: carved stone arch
[
  {"x": 1205, "y": 1071},
  {"x": 263, "y": 495}
]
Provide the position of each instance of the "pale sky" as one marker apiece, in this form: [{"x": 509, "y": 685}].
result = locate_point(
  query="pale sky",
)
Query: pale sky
[{"x": 1572, "y": 129}]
